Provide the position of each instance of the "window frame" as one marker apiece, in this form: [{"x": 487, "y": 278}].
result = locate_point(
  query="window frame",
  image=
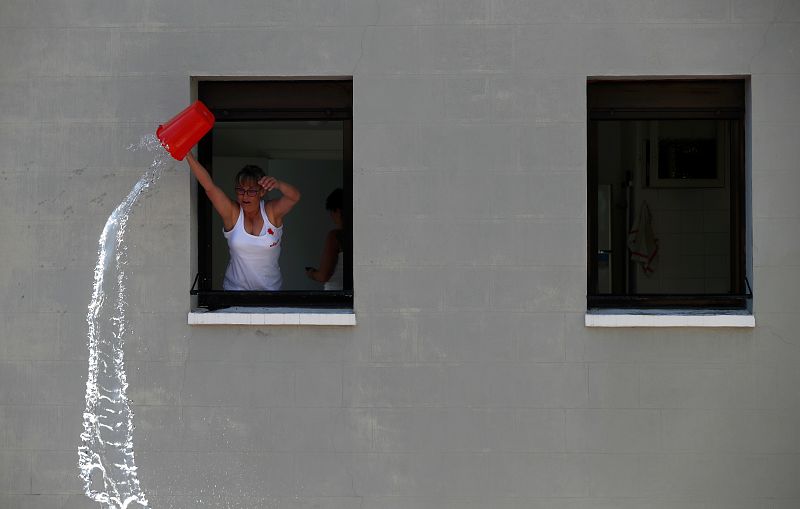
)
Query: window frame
[
  {"x": 665, "y": 99},
  {"x": 275, "y": 100}
]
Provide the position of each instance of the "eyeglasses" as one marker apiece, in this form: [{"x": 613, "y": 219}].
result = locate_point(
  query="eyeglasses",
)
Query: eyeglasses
[{"x": 248, "y": 192}]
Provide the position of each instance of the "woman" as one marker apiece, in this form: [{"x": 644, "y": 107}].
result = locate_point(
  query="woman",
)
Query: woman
[
  {"x": 330, "y": 266},
  {"x": 252, "y": 226}
]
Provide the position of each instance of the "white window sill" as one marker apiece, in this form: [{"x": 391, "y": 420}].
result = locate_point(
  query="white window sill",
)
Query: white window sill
[
  {"x": 664, "y": 318},
  {"x": 272, "y": 316}
]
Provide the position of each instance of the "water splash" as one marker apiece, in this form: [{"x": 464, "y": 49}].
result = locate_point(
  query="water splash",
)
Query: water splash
[{"x": 105, "y": 456}]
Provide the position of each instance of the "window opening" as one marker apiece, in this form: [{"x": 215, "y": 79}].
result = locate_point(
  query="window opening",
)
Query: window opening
[
  {"x": 666, "y": 195},
  {"x": 299, "y": 132}
]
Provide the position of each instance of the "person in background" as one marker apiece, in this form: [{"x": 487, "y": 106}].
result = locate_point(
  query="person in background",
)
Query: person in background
[
  {"x": 252, "y": 226},
  {"x": 330, "y": 265}
]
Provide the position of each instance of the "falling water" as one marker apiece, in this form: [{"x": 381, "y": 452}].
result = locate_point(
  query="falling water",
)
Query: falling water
[{"x": 106, "y": 456}]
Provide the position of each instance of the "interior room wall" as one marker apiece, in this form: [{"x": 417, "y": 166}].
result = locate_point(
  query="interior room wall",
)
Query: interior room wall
[
  {"x": 693, "y": 233},
  {"x": 690, "y": 223},
  {"x": 308, "y": 223}
]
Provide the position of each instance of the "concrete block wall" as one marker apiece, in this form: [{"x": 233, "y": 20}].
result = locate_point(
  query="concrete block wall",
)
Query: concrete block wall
[{"x": 470, "y": 380}]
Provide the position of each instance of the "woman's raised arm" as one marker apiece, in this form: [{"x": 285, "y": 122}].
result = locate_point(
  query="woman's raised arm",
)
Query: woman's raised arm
[
  {"x": 280, "y": 207},
  {"x": 224, "y": 206}
]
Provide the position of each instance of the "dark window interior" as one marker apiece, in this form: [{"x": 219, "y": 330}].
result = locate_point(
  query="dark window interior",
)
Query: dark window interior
[
  {"x": 297, "y": 131},
  {"x": 671, "y": 151}
]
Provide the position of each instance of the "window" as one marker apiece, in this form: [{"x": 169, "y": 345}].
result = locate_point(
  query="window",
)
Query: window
[
  {"x": 299, "y": 131},
  {"x": 667, "y": 195}
]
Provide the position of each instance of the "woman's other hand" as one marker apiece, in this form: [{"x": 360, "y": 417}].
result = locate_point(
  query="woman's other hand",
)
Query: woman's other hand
[{"x": 268, "y": 183}]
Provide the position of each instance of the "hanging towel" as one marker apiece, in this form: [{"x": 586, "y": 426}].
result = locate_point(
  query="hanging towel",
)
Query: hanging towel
[{"x": 642, "y": 241}]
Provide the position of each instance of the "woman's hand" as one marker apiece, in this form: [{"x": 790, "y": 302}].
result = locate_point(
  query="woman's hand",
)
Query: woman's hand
[{"x": 268, "y": 183}]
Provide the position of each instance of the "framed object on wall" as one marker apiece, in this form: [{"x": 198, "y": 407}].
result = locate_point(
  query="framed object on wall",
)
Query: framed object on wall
[{"x": 686, "y": 153}]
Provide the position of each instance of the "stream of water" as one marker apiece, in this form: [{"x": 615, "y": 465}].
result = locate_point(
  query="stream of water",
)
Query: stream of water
[{"x": 106, "y": 454}]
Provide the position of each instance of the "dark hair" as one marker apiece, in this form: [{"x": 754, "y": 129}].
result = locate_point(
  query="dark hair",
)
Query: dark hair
[
  {"x": 249, "y": 172},
  {"x": 335, "y": 200}
]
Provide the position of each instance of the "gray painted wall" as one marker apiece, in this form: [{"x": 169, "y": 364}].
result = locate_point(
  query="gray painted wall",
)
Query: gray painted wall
[{"x": 470, "y": 380}]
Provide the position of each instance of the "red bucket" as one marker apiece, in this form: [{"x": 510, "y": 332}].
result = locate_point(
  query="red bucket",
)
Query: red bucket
[{"x": 183, "y": 132}]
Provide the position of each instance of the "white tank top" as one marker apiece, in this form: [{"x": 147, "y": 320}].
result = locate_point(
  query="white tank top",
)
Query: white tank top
[
  {"x": 336, "y": 280},
  {"x": 254, "y": 258}
]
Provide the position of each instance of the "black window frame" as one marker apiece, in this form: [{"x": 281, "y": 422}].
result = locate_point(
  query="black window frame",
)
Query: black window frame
[
  {"x": 275, "y": 100},
  {"x": 626, "y": 99}
]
